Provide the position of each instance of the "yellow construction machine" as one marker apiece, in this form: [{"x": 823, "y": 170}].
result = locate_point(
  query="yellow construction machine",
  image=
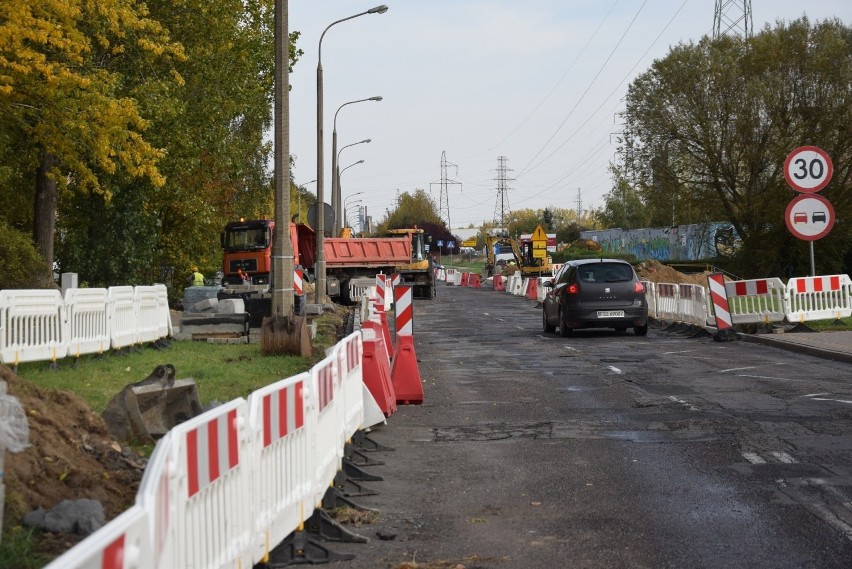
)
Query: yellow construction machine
[{"x": 499, "y": 246}]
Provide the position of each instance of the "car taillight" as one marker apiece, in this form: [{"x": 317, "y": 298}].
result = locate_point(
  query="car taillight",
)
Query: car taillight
[
  {"x": 638, "y": 287},
  {"x": 572, "y": 289}
]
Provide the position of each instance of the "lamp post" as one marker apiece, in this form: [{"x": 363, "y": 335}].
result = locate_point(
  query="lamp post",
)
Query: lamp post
[
  {"x": 320, "y": 253},
  {"x": 335, "y": 183},
  {"x": 347, "y": 207},
  {"x": 356, "y": 208},
  {"x": 335, "y": 180},
  {"x": 299, "y": 206}
]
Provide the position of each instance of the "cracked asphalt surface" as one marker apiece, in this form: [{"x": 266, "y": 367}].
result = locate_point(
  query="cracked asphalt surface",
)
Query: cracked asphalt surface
[{"x": 607, "y": 450}]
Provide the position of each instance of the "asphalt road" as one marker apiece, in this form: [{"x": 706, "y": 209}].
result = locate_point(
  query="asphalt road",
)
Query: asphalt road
[{"x": 607, "y": 450}]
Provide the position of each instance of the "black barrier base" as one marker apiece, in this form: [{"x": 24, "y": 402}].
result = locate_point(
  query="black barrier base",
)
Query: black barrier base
[
  {"x": 333, "y": 499},
  {"x": 355, "y": 472},
  {"x": 361, "y": 440},
  {"x": 359, "y": 458},
  {"x": 728, "y": 335},
  {"x": 322, "y": 525},
  {"x": 351, "y": 487},
  {"x": 299, "y": 549}
]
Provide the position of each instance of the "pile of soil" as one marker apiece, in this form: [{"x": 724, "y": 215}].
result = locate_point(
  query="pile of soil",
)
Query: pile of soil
[
  {"x": 70, "y": 457},
  {"x": 656, "y": 272}
]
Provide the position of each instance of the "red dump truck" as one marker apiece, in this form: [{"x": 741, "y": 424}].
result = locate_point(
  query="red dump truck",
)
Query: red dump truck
[{"x": 351, "y": 263}]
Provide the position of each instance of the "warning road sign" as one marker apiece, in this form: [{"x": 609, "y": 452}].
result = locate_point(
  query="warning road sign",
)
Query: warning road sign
[{"x": 809, "y": 217}]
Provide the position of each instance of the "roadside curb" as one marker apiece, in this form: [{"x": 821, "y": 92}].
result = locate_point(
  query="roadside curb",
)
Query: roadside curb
[{"x": 799, "y": 348}]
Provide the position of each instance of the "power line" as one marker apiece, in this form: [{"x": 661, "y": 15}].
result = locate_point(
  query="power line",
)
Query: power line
[{"x": 444, "y": 200}]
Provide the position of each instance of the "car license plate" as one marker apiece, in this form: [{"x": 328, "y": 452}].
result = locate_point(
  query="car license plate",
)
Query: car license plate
[{"x": 610, "y": 314}]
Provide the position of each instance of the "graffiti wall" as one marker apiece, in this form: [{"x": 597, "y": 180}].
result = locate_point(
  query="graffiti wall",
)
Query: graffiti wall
[{"x": 682, "y": 243}]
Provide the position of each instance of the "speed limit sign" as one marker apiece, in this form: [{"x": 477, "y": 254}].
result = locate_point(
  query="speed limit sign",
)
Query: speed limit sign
[{"x": 808, "y": 169}]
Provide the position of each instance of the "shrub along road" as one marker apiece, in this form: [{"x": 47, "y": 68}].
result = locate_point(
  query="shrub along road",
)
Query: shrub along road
[{"x": 607, "y": 449}]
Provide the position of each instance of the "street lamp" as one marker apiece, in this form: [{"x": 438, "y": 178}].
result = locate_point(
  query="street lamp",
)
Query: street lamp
[
  {"x": 352, "y": 207},
  {"x": 357, "y": 214},
  {"x": 351, "y": 196},
  {"x": 299, "y": 206},
  {"x": 335, "y": 183},
  {"x": 320, "y": 254},
  {"x": 335, "y": 172}
]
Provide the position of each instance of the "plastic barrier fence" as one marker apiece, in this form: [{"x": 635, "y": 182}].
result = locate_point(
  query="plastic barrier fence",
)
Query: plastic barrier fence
[
  {"x": 88, "y": 326},
  {"x": 756, "y": 301},
  {"x": 667, "y": 301},
  {"x": 651, "y": 298},
  {"x": 32, "y": 326},
  {"x": 692, "y": 303},
  {"x": 40, "y": 325},
  {"x": 819, "y": 298},
  {"x": 224, "y": 488}
]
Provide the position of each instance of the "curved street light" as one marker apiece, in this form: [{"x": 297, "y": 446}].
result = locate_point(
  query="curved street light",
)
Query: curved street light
[
  {"x": 335, "y": 183},
  {"x": 345, "y": 201},
  {"x": 320, "y": 254}
]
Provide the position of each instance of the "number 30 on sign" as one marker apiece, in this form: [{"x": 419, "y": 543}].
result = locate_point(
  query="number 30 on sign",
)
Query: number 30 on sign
[{"x": 808, "y": 169}]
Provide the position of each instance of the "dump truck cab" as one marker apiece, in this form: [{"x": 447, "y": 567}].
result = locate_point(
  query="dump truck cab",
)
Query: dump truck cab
[{"x": 418, "y": 273}]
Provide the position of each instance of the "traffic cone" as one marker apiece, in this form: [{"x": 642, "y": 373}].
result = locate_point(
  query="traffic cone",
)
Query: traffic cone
[{"x": 405, "y": 375}]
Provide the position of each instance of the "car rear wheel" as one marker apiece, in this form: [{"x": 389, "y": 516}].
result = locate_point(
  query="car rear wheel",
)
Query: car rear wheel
[
  {"x": 545, "y": 325},
  {"x": 564, "y": 330},
  {"x": 641, "y": 330}
]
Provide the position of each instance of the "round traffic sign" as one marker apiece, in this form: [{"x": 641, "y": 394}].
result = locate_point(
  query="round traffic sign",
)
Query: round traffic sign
[
  {"x": 809, "y": 217},
  {"x": 808, "y": 169}
]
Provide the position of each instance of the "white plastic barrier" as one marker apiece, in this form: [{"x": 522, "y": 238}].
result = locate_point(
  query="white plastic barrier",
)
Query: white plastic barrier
[
  {"x": 651, "y": 298},
  {"x": 819, "y": 298},
  {"x": 147, "y": 304},
  {"x": 158, "y": 496},
  {"x": 122, "y": 316},
  {"x": 756, "y": 301},
  {"x": 456, "y": 279},
  {"x": 213, "y": 483},
  {"x": 32, "y": 326},
  {"x": 283, "y": 484},
  {"x": 88, "y": 325},
  {"x": 123, "y": 543},
  {"x": 450, "y": 276},
  {"x": 328, "y": 414},
  {"x": 667, "y": 301},
  {"x": 350, "y": 355},
  {"x": 692, "y": 302},
  {"x": 165, "y": 316},
  {"x": 515, "y": 284}
]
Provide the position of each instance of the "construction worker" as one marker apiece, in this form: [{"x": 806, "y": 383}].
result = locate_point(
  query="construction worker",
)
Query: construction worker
[
  {"x": 196, "y": 279},
  {"x": 243, "y": 276}
]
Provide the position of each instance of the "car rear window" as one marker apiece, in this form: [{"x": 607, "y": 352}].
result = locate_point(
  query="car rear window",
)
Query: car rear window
[{"x": 605, "y": 273}]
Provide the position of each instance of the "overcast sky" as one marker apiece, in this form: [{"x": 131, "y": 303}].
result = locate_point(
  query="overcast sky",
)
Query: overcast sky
[{"x": 540, "y": 82}]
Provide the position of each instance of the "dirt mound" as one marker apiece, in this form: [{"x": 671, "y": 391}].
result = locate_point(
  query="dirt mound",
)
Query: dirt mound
[
  {"x": 656, "y": 272},
  {"x": 70, "y": 457}
]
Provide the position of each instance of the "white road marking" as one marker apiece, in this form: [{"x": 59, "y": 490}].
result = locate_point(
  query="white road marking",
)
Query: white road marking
[
  {"x": 680, "y": 352},
  {"x": 736, "y": 369},
  {"x": 686, "y": 404},
  {"x": 614, "y": 369},
  {"x": 815, "y": 394},
  {"x": 753, "y": 457},
  {"x": 784, "y": 457},
  {"x": 830, "y": 518},
  {"x": 826, "y": 399}
]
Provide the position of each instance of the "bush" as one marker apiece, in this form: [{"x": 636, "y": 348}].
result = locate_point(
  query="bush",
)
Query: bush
[{"x": 25, "y": 267}]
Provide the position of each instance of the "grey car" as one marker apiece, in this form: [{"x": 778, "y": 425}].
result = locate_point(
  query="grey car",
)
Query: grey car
[{"x": 595, "y": 293}]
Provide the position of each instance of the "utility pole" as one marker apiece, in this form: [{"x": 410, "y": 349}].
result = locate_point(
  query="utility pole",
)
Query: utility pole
[
  {"x": 732, "y": 17},
  {"x": 579, "y": 204},
  {"x": 444, "y": 198},
  {"x": 502, "y": 205}
]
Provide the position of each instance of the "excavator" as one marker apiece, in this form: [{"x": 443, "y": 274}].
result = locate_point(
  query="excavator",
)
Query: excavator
[{"x": 524, "y": 260}]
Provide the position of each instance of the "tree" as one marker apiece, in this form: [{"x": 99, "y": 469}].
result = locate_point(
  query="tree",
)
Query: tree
[
  {"x": 63, "y": 102},
  {"x": 708, "y": 127},
  {"x": 623, "y": 206},
  {"x": 412, "y": 210}
]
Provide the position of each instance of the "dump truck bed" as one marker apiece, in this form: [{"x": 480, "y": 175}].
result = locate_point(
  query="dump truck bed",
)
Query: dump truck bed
[{"x": 366, "y": 252}]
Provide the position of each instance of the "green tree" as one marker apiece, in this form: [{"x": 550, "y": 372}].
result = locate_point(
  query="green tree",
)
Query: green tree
[
  {"x": 708, "y": 127},
  {"x": 623, "y": 206},
  {"x": 416, "y": 208},
  {"x": 62, "y": 100}
]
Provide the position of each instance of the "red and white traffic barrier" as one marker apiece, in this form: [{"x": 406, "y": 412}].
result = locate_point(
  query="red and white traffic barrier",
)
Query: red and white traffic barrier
[
  {"x": 819, "y": 298},
  {"x": 298, "y": 281},
  {"x": 405, "y": 373},
  {"x": 718, "y": 294},
  {"x": 756, "y": 301}
]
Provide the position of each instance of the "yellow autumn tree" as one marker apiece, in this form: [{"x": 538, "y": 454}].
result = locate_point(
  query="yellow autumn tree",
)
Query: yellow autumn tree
[{"x": 63, "y": 100}]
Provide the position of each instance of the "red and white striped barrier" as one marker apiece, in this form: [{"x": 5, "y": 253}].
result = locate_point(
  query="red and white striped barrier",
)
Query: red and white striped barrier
[
  {"x": 756, "y": 301},
  {"x": 298, "y": 281},
  {"x": 328, "y": 450},
  {"x": 692, "y": 304},
  {"x": 719, "y": 296},
  {"x": 667, "y": 301},
  {"x": 819, "y": 298},
  {"x": 404, "y": 311}
]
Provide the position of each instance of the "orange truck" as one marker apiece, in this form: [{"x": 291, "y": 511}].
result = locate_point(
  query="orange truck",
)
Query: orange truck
[{"x": 351, "y": 263}]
